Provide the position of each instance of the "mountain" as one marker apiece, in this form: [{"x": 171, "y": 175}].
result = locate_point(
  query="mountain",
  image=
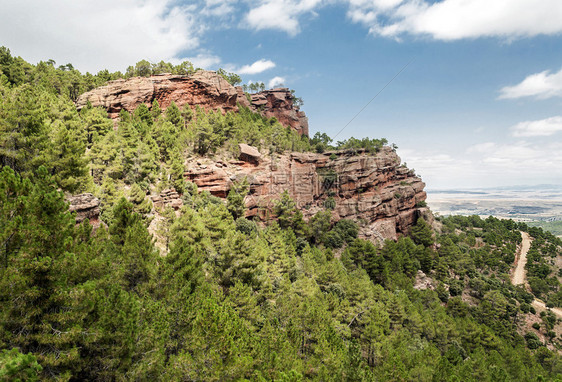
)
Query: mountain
[
  {"x": 154, "y": 228},
  {"x": 374, "y": 187}
]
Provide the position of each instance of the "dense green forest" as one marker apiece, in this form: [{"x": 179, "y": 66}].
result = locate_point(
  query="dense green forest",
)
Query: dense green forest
[{"x": 232, "y": 299}]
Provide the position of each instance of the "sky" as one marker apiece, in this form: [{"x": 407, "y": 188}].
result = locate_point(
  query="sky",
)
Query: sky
[{"x": 469, "y": 90}]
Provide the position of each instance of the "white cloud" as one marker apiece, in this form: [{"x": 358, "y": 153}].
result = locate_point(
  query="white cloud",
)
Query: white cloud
[
  {"x": 540, "y": 85},
  {"x": 459, "y": 19},
  {"x": 438, "y": 169},
  {"x": 519, "y": 158},
  {"x": 205, "y": 61},
  {"x": 275, "y": 82},
  {"x": 257, "y": 67},
  {"x": 281, "y": 14},
  {"x": 219, "y": 8},
  {"x": 540, "y": 128},
  {"x": 487, "y": 164},
  {"x": 93, "y": 35}
]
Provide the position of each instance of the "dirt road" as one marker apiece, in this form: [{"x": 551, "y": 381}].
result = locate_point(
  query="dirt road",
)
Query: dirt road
[
  {"x": 540, "y": 306},
  {"x": 518, "y": 276}
]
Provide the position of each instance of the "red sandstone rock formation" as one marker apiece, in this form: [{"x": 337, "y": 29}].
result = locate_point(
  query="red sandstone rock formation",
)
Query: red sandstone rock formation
[
  {"x": 373, "y": 188},
  {"x": 249, "y": 153},
  {"x": 205, "y": 89},
  {"x": 278, "y": 103}
]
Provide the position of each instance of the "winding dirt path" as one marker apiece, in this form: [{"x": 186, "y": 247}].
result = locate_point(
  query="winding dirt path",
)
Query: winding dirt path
[{"x": 519, "y": 276}]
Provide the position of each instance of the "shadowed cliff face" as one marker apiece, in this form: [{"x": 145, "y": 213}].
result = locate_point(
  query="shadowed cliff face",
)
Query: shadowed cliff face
[
  {"x": 204, "y": 88},
  {"x": 372, "y": 188}
]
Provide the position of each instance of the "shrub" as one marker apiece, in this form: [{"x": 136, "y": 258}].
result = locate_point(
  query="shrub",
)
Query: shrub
[
  {"x": 456, "y": 287},
  {"x": 533, "y": 341},
  {"x": 536, "y": 326},
  {"x": 347, "y": 229},
  {"x": 332, "y": 239},
  {"x": 330, "y": 203},
  {"x": 246, "y": 226}
]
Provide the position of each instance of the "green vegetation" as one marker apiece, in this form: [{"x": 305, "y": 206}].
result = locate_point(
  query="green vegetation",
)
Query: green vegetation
[
  {"x": 554, "y": 227},
  {"x": 232, "y": 299},
  {"x": 322, "y": 142}
]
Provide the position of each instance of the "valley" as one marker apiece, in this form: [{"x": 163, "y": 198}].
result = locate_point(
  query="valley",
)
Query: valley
[{"x": 538, "y": 207}]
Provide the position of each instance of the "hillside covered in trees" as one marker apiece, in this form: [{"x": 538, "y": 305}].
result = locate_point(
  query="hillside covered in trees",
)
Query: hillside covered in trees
[{"x": 223, "y": 297}]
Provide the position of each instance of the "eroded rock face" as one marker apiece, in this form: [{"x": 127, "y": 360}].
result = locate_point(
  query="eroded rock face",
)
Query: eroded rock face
[
  {"x": 168, "y": 198},
  {"x": 86, "y": 206},
  {"x": 278, "y": 103},
  {"x": 204, "y": 88},
  {"x": 373, "y": 189}
]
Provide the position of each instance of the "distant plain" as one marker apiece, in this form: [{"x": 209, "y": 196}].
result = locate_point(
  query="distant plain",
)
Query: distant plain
[{"x": 535, "y": 205}]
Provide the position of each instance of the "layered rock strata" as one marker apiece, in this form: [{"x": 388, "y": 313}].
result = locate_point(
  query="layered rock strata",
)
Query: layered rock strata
[
  {"x": 278, "y": 103},
  {"x": 373, "y": 189},
  {"x": 167, "y": 198},
  {"x": 205, "y": 89}
]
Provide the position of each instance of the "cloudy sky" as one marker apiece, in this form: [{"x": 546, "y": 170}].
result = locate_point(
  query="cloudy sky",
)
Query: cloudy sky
[{"x": 477, "y": 101}]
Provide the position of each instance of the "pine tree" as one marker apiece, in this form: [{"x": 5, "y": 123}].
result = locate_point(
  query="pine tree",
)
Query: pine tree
[
  {"x": 23, "y": 134},
  {"x": 143, "y": 116},
  {"x": 155, "y": 110},
  {"x": 38, "y": 315},
  {"x": 96, "y": 122},
  {"x": 173, "y": 115},
  {"x": 235, "y": 199},
  {"x": 69, "y": 165},
  {"x": 285, "y": 209},
  {"x": 15, "y": 366},
  {"x": 142, "y": 205},
  {"x": 422, "y": 234},
  {"x": 177, "y": 171}
]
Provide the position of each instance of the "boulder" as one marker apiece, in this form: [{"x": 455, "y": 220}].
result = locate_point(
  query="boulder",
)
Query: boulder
[{"x": 249, "y": 153}]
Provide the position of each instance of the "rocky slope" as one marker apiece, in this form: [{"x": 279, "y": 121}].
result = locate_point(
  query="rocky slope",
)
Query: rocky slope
[
  {"x": 371, "y": 188},
  {"x": 204, "y": 88}
]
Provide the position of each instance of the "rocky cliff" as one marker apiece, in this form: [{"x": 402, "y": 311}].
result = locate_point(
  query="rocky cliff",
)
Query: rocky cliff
[
  {"x": 204, "y": 88},
  {"x": 371, "y": 188}
]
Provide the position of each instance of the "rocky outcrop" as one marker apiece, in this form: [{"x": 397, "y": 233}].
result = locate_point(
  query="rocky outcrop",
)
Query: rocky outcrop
[
  {"x": 86, "y": 206},
  {"x": 279, "y": 103},
  {"x": 203, "y": 88},
  {"x": 167, "y": 198},
  {"x": 249, "y": 153},
  {"x": 423, "y": 282},
  {"x": 373, "y": 189}
]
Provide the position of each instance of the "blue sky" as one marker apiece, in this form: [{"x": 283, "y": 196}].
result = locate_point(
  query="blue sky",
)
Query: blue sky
[{"x": 478, "y": 106}]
